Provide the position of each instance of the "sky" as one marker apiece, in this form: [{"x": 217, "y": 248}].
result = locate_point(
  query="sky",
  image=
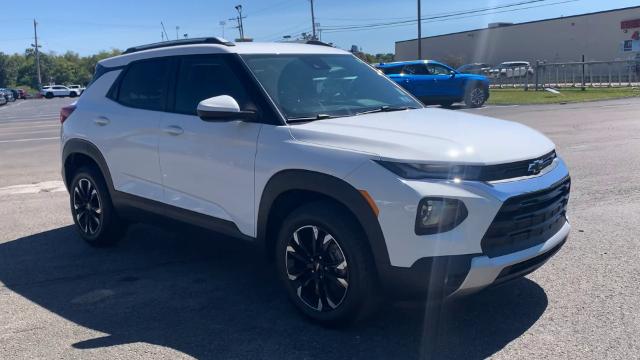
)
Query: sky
[{"x": 87, "y": 27}]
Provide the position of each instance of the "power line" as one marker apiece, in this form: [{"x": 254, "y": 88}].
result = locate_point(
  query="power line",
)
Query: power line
[
  {"x": 436, "y": 19},
  {"x": 381, "y": 24}
]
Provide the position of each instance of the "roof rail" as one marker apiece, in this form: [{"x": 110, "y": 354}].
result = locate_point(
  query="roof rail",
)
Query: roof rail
[
  {"x": 317, "y": 42},
  {"x": 192, "y": 41}
]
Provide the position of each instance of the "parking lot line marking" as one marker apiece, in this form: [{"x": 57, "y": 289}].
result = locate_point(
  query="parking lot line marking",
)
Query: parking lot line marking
[
  {"x": 44, "y": 186},
  {"x": 3, "y": 133},
  {"x": 28, "y": 126},
  {"x": 35, "y": 139},
  {"x": 28, "y": 119}
]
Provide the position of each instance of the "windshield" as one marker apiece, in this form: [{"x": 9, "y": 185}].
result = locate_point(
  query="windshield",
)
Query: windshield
[{"x": 310, "y": 85}]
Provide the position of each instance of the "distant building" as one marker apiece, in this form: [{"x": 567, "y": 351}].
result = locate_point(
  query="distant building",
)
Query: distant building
[{"x": 605, "y": 35}]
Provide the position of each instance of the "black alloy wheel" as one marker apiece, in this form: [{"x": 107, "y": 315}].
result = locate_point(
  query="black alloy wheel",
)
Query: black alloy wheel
[{"x": 317, "y": 268}]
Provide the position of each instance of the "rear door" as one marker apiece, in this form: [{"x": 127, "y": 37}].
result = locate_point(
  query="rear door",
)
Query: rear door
[
  {"x": 126, "y": 129},
  {"x": 208, "y": 166}
]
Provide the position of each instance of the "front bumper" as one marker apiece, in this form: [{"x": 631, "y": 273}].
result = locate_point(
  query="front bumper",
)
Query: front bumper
[
  {"x": 485, "y": 271},
  {"x": 455, "y": 260}
]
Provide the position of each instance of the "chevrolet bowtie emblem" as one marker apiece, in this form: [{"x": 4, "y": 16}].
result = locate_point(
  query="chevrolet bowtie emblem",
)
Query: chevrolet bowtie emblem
[{"x": 535, "y": 167}]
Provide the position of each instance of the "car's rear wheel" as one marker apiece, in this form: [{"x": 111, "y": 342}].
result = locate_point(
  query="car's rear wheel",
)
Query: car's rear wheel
[
  {"x": 475, "y": 97},
  {"x": 73, "y": 94},
  {"x": 325, "y": 265},
  {"x": 92, "y": 210}
]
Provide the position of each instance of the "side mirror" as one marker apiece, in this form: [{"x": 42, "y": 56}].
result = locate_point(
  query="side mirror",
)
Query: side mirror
[
  {"x": 223, "y": 108},
  {"x": 453, "y": 74}
]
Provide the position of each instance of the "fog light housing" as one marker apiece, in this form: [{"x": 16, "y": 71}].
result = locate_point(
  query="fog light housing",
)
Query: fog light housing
[{"x": 436, "y": 215}]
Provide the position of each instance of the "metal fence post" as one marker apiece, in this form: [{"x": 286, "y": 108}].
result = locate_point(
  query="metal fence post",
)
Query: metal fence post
[
  {"x": 583, "y": 87},
  {"x": 537, "y": 72}
]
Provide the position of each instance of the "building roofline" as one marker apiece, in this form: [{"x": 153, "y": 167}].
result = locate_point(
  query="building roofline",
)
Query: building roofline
[{"x": 523, "y": 23}]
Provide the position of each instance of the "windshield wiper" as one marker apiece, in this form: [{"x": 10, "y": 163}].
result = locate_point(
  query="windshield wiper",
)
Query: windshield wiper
[
  {"x": 385, "y": 108},
  {"x": 312, "y": 118}
]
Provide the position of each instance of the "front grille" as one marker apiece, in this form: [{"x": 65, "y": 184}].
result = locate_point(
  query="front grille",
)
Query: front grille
[
  {"x": 527, "y": 220},
  {"x": 517, "y": 169}
]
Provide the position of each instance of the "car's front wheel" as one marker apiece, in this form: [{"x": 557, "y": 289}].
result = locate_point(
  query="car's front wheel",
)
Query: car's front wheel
[
  {"x": 48, "y": 95},
  {"x": 92, "y": 210},
  {"x": 325, "y": 264},
  {"x": 475, "y": 96}
]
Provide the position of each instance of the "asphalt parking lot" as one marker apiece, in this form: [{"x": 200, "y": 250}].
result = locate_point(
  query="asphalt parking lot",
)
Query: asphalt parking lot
[{"x": 182, "y": 293}]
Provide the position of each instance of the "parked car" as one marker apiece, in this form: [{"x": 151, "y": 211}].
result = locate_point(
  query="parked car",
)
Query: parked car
[
  {"x": 512, "y": 69},
  {"x": 7, "y": 94},
  {"x": 15, "y": 93},
  {"x": 77, "y": 88},
  {"x": 22, "y": 94},
  {"x": 436, "y": 83},
  {"x": 3, "y": 101},
  {"x": 58, "y": 90},
  {"x": 475, "y": 68},
  {"x": 355, "y": 189}
]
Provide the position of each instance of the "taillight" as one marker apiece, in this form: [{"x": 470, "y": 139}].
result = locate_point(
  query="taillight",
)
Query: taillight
[{"x": 65, "y": 112}]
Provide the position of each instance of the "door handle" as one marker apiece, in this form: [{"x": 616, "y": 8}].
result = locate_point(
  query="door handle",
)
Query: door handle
[
  {"x": 101, "y": 121},
  {"x": 173, "y": 130}
]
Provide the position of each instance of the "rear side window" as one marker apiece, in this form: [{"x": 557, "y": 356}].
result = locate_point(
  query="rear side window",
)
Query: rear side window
[
  {"x": 144, "y": 85},
  {"x": 202, "y": 77},
  {"x": 392, "y": 70}
]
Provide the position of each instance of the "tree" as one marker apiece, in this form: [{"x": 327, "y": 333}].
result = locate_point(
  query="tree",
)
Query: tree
[{"x": 67, "y": 68}]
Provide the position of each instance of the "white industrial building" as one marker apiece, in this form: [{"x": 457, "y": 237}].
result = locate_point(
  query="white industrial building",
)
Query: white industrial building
[{"x": 600, "y": 36}]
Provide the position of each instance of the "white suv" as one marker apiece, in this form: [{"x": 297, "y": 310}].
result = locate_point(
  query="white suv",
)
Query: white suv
[
  {"x": 353, "y": 187},
  {"x": 52, "y": 91}
]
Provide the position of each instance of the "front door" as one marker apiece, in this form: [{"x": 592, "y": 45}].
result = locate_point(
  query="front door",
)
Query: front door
[{"x": 208, "y": 166}]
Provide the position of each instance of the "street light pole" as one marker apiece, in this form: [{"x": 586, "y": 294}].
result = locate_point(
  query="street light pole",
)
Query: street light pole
[{"x": 419, "y": 31}]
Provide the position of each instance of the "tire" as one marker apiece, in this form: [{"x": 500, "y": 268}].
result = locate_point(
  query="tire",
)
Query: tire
[
  {"x": 73, "y": 94},
  {"x": 446, "y": 104},
  {"x": 342, "y": 287},
  {"x": 100, "y": 225},
  {"x": 48, "y": 95},
  {"x": 475, "y": 96}
]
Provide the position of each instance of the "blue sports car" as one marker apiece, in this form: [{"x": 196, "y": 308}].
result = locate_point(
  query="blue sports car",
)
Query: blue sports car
[{"x": 436, "y": 83}]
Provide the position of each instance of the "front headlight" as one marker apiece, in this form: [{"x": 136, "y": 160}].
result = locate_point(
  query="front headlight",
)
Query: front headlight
[{"x": 433, "y": 171}]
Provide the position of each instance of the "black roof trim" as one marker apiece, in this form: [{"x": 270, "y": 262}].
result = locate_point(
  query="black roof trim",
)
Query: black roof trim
[
  {"x": 192, "y": 41},
  {"x": 524, "y": 23},
  {"x": 317, "y": 42}
]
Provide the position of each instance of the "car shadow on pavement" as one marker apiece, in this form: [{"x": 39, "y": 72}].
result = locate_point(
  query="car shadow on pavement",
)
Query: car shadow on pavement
[{"x": 211, "y": 298}]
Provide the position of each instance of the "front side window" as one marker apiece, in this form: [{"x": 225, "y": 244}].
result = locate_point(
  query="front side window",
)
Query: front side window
[
  {"x": 320, "y": 85},
  {"x": 202, "y": 77},
  {"x": 437, "y": 69},
  {"x": 144, "y": 85},
  {"x": 415, "y": 69}
]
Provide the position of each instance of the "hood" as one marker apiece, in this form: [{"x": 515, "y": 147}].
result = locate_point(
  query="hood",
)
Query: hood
[{"x": 428, "y": 135}]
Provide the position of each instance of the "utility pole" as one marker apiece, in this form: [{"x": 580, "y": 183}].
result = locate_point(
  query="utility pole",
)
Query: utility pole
[
  {"x": 239, "y": 19},
  {"x": 313, "y": 22},
  {"x": 177, "y": 29},
  {"x": 36, "y": 46},
  {"x": 419, "y": 31},
  {"x": 165, "y": 31},
  {"x": 162, "y": 35}
]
